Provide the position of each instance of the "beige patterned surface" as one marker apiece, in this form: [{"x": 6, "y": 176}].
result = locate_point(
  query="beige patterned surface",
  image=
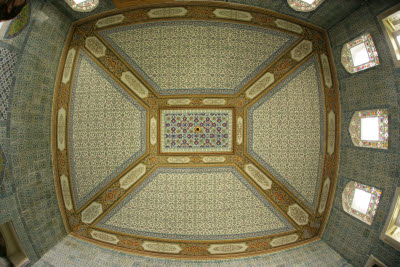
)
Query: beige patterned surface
[
  {"x": 232, "y": 14},
  {"x": 211, "y": 56},
  {"x": 101, "y": 125},
  {"x": 298, "y": 214},
  {"x": 227, "y": 248},
  {"x": 90, "y": 213},
  {"x": 69, "y": 63},
  {"x": 194, "y": 203},
  {"x": 95, "y": 46},
  {"x": 167, "y": 12},
  {"x": 108, "y": 21},
  {"x": 61, "y": 129},
  {"x": 287, "y": 132}
]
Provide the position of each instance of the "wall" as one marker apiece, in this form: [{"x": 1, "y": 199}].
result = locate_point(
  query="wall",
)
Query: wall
[
  {"x": 377, "y": 87},
  {"x": 75, "y": 252},
  {"x": 27, "y": 195},
  {"x": 325, "y": 15}
]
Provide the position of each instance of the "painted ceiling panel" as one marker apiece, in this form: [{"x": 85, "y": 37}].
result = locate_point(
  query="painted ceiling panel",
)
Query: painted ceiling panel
[
  {"x": 193, "y": 203},
  {"x": 197, "y": 57},
  {"x": 196, "y": 130},
  {"x": 103, "y": 142},
  {"x": 286, "y": 131}
]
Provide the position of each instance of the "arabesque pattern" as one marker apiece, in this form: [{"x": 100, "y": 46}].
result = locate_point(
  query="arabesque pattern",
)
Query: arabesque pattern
[{"x": 151, "y": 194}]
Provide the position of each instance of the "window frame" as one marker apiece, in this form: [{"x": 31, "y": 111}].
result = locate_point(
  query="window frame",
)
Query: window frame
[
  {"x": 390, "y": 225},
  {"x": 389, "y": 33},
  {"x": 347, "y": 199},
  {"x": 355, "y": 128},
  {"x": 347, "y": 59}
]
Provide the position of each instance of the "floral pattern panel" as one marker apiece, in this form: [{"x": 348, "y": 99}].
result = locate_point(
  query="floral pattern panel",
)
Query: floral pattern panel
[
  {"x": 348, "y": 198},
  {"x": 304, "y": 5},
  {"x": 355, "y": 128},
  {"x": 347, "y": 58}
]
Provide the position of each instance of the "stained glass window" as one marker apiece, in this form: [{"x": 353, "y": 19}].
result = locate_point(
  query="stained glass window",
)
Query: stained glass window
[
  {"x": 83, "y": 5},
  {"x": 361, "y": 201},
  {"x": 370, "y": 128},
  {"x": 360, "y": 54},
  {"x": 304, "y": 5}
]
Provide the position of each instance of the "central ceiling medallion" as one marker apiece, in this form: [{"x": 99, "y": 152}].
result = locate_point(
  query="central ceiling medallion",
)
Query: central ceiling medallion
[
  {"x": 196, "y": 130},
  {"x": 207, "y": 130}
]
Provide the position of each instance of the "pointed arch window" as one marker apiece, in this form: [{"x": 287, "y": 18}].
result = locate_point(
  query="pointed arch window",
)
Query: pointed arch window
[
  {"x": 304, "y": 5},
  {"x": 360, "y": 54},
  {"x": 370, "y": 128},
  {"x": 83, "y": 5},
  {"x": 361, "y": 201}
]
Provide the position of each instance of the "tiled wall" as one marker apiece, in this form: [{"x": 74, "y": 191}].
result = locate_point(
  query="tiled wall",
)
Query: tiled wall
[
  {"x": 326, "y": 15},
  {"x": 377, "y": 87},
  {"x": 74, "y": 252},
  {"x": 27, "y": 195}
]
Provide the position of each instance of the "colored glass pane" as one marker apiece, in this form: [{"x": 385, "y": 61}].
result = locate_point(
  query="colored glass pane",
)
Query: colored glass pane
[
  {"x": 304, "y": 5},
  {"x": 83, "y": 5}
]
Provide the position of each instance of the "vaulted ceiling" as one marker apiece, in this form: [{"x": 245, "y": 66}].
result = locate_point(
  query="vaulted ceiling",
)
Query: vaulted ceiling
[{"x": 191, "y": 130}]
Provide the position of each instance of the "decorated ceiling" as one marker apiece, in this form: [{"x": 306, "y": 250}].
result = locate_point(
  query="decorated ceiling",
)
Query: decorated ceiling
[{"x": 196, "y": 131}]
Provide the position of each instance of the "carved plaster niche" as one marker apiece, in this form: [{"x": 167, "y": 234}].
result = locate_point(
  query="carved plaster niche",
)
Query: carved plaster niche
[
  {"x": 286, "y": 25},
  {"x": 108, "y": 21},
  {"x": 61, "y": 128},
  {"x": 283, "y": 240},
  {"x": 153, "y": 131},
  {"x": 179, "y": 102},
  {"x": 301, "y": 50},
  {"x": 214, "y": 102},
  {"x": 210, "y": 159},
  {"x": 331, "y": 133},
  {"x": 326, "y": 70},
  {"x": 92, "y": 212},
  {"x": 179, "y": 160},
  {"x": 69, "y": 64},
  {"x": 161, "y": 247},
  {"x": 134, "y": 84},
  {"x": 258, "y": 176},
  {"x": 167, "y": 12},
  {"x": 95, "y": 46},
  {"x": 239, "y": 130},
  {"x": 232, "y": 14},
  {"x": 105, "y": 237},
  {"x": 298, "y": 214},
  {"x": 66, "y": 193},
  {"x": 227, "y": 248},
  {"x": 132, "y": 176},
  {"x": 324, "y": 195},
  {"x": 260, "y": 85}
]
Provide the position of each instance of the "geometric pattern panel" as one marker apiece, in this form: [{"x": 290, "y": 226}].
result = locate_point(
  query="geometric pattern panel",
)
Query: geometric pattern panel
[
  {"x": 286, "y": 131},
  {"x": 201, "y": 128},
  {"x": 212, "y": 57},
  {"x": 196, "y": 130},
  {"x": 196, "y": 203},
  {"x": 107, "y": 130},
  {"x": 8, "y": 60}
]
